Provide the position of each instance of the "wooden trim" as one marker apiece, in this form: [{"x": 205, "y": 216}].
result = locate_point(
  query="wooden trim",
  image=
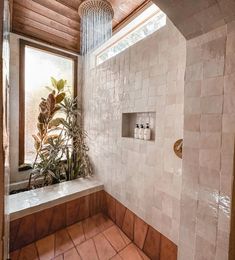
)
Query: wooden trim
[
  {"x": 21, "y": 103},
  {"x": 2, "y": 182},
  {"x": 23, "y": 44},
  {"x": 131, "y": 15},
  {"x": 47, "y": 42}
]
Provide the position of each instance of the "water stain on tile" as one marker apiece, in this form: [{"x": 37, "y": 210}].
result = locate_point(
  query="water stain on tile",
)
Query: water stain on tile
[
  {"x": 102, "y": 222},
  {"x": 90, "y": 228}
]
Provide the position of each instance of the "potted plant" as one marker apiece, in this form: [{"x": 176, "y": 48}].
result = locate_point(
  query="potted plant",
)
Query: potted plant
[{"x": 61, "y": 151}]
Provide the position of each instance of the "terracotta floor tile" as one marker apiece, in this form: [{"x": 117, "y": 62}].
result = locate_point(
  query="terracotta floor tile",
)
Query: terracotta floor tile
[
  {"x": 87, "y": 250},
  {"x": 110, "y": 244},
  {"x": 116, "y": 257},
  {"x": 14, "y": 255},
  {"x": 128, "y": 224},
  {"x": 28, "y": 253},
  {"x": 89, "y": 227},
  {"x": 152, "y": 244},
  {"x": 130, "y": 253},
  {"x": 120, "y": 213},
  {"x": 59, "y": 257},
  {"x": 144, "y": 256},
  {"x": 46, "y": 247},
  {"x": 113, "y": 234},
  {"x": 72, "y": 254},
  {"x": 125, "y": 237},
  {"x": 168, "y": 249},
  {"x": 140, "y": 232},
  {"x": 62, "y": 242},
  {"x": 76, "y": 233},
  {"x": 111, "y": 206},
  {"x": 104, "y": 249},
  {"x": 102, "y": 222}
]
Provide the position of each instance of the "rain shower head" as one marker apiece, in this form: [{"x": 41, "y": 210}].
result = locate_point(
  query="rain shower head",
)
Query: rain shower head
[
  {"x": 95, "y": 6},
  {"x": 96, "y": 24}
]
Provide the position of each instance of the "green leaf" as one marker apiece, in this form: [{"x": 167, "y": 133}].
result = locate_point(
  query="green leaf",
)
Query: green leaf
[
  {"x": 54, "y": 82},
  {"x": 61, "y": 84},
  {"x": 55, "y": 122},
  {"x": 59, "y": 98}
]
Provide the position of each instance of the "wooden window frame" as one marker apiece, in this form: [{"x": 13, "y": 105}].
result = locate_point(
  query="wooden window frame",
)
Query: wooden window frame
[{"x": 23, "y": 44}]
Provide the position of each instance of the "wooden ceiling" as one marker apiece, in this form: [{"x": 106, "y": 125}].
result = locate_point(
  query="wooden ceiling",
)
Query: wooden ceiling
[{"x": 57, "y": 21}]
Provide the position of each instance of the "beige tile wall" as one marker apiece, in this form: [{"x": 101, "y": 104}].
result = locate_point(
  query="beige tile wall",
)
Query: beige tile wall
[
  {"x": 144, "y": 176},
  {"x": 208, "y": 146}
]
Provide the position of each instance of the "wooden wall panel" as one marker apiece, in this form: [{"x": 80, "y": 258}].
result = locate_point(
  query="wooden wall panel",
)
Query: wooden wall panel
[
  {"x": 57, "y": 21},
  {"x": 1, "y": 139}
]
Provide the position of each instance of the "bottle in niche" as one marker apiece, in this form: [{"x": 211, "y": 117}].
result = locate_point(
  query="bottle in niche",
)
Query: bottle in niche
[
  {"x": 136, "y": 131},
  {"x": 141, "y": 132},
  {"x": 147, "y": 132}
]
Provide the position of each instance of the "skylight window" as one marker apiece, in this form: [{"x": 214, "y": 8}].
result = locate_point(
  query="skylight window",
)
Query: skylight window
[{"x": 149, "y": 21}]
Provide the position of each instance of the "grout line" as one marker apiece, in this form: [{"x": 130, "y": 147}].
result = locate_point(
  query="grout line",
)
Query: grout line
[
  {"x": 95, "y": 248},
  {"x": 122, "y": 236},
  {"x": 36, "y": 249},
  {"x": 109, "y": 241},
  {"x": 70, "y": 236},
  {"x": 145, "y": 238}
]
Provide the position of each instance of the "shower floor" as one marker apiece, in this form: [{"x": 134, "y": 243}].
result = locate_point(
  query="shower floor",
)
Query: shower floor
[{"x": 95, "y": 238}]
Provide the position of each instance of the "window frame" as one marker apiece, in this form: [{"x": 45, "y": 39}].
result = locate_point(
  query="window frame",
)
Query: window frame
[
  {"x": 23, "y": 45},
  {"x": 126, "y": 30}
]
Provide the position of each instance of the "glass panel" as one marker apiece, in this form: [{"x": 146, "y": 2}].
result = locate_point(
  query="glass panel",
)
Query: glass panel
[
  {"x": 40, "y": 66},
  {"x": 152, "y": 24}
]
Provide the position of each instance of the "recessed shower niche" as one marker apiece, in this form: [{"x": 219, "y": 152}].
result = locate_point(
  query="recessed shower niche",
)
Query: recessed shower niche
[{"x": 129, "y": 121}]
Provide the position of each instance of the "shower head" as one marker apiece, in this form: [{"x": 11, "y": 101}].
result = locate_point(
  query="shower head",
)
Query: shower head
[{"x": 95, "y": 6}]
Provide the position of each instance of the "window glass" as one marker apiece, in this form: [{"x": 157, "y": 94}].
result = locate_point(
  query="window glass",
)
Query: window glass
[
  {"x": 40, "y": 66},
  {"x": 151, "y": 24}
]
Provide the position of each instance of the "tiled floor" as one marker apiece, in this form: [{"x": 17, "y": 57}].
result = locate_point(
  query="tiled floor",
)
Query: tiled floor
[{"x": 96, "y": 238}]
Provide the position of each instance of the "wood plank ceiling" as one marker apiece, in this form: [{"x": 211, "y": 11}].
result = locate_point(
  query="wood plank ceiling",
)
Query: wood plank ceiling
[{"x": 57, "y": 21}]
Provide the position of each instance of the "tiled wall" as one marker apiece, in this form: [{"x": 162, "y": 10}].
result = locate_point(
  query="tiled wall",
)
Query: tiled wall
[
  {"x": 144, "y": 176},
  {"x": 38, "y": 225},
  {"x": 209, "y": 128}
]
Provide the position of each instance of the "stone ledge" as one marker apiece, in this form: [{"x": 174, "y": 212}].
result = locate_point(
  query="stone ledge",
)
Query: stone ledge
[{"x": 29, "y": 202}]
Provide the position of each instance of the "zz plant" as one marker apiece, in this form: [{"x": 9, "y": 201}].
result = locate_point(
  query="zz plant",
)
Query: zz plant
[{"x": 61, "y": 151}]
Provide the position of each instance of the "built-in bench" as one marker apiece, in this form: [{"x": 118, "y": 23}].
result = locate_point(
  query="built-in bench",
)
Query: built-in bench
[{"x": 29, "y": 202}]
